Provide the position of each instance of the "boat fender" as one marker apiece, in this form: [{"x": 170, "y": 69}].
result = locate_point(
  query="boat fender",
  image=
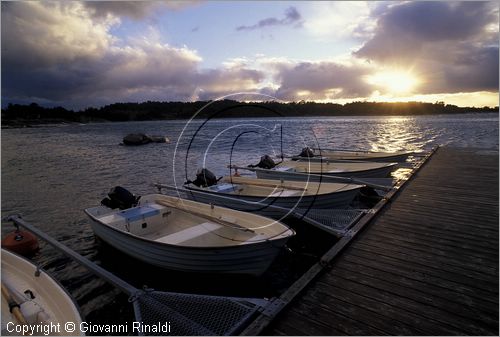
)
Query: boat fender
[
  {"x": 119, "y": 197},
  {"x": 205, "y": 178},
  {"x": 21, "y": 242},
  {"x": 266, "y": 162}
]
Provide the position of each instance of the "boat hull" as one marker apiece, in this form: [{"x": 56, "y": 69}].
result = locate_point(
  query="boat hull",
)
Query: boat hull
[
  {"x": 251, "y": 259},
  {"x": 378, "y": 172},
  {"x": 18, "y": 274},
  {"x": 340, "y": 199},
  {"x": 360, "y": 156},
  {"x": 389, "y": 159}
]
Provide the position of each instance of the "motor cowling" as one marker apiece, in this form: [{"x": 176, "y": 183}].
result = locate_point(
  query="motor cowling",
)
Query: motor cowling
[
  {"x": 119, "y": 197},
  {"x": 306, "y": 152},
  {"x": 266, "y": 162},
  {"x": 205, "y": 178}
]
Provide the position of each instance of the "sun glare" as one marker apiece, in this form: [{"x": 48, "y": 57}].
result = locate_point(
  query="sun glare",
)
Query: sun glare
[{"x": 395, "y": 82}]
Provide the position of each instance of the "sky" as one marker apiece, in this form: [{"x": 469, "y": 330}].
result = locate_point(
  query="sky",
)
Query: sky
[{"x": 89, "y": 54}]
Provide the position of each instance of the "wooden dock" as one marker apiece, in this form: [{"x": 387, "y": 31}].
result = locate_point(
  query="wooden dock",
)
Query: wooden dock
[{"x": 426, "y": 265}]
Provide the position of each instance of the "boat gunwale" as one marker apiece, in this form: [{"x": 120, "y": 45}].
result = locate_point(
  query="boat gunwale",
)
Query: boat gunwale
[
  {"x": 42, "y": 270},
  {"x": 384, "y": 166},
  {"x": 288, "y": 197},
  {"x": 164, "y": 244}
]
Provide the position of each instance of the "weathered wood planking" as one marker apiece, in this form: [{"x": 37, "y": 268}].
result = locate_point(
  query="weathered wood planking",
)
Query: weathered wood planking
[{"x": 427, "y": 265}]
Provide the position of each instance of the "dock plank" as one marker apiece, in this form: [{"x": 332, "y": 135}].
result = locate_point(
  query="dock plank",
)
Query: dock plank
[
  {"x": 450, "y": 294},
  {"x": 451, "y": 263},
  {"x": 426, "y": 265},
  {"x": 423, "y": 280}
]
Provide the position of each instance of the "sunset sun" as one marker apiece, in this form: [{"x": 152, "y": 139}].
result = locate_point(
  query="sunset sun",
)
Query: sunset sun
[{"x": 394, "y": 82}]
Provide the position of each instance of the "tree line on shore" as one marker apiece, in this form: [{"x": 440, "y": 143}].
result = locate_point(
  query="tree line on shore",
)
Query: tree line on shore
[{"x": 16, "y": 114}]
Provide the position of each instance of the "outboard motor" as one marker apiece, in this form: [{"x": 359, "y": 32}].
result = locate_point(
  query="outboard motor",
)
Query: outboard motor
[
  {"x": 265, "y": 162},
  {"x": 119, "y": 197},
  {"x": 204, "y": 178},
  {"x": 307, "y": 152}
]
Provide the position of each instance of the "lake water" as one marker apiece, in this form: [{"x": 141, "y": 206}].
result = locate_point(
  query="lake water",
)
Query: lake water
[{"x": 50, "y": 174}]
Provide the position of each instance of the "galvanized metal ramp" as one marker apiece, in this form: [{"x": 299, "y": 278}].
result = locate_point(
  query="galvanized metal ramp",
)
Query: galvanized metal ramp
[
  {"x": 194, "y": 315},
  {"x": 334, "y": 221}
]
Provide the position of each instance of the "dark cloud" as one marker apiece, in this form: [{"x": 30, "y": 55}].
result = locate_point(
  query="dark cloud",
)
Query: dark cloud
[
  {"x": 133, "y": 9},
  {"x": 403, "y": 30},
  {"x": 39, "y": 35},
  {"x": 54, "y": 56},
  {"x": 460, "y": 69},
  {"x": 322, "y": 80},
  {"x": 50, "y": 55},
  {"x": 292, "y": 17},
  {"x": 450, "y": 44}
]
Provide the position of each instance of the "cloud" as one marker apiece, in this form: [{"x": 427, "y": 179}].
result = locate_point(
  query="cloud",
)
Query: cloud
[
  {"x": 65, "y": 53},
  {"x": 292, "y": 17},
  {"x": 42, "y": 34},
  {"x": 61, "y": 54},
  {"x": 326, "y": 80},
  {"x": 218, "y": 82},
  {"x": 133, "y": 9},
  {"x": 327, "y": 20},
  {"x": 452, "y": 45}
]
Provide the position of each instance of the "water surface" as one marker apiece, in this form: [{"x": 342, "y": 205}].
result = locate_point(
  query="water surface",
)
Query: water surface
[{"x": 50, "y": 174}]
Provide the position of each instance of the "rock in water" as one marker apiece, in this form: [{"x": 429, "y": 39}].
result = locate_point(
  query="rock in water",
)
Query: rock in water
[{"x": 136, "y": 139}]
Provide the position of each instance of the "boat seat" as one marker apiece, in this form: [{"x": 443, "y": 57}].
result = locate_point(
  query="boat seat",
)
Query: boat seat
[
  {"x": 189, "y": 233},
  {"x": 138, "y": 213},
  {"x": 257, "y": 238},
  {"x": 225, "y": 188},
  {"x": 284, "y": 193},
  {"x": 336, "y": 171},
  {"x": 283, "y": 169}
]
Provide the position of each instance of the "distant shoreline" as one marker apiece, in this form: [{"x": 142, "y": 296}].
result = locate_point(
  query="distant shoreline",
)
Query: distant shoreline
[
  {"x": 33, "y": 115},
  {"x": 22, "y": 124}
]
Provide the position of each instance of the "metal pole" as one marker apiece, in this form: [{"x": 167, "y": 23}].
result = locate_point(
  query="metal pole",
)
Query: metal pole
[{"x": 99, "y": 271}]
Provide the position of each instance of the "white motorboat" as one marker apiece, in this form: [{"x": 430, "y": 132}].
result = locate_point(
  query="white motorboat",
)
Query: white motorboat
[
  {"x": 285, "y": 194},
  {"x": 333, "y": 155},
  {"x": 185, "y": 235},
  {"x": 40, "y": 305},
  {"x": 313, "y": 171}
]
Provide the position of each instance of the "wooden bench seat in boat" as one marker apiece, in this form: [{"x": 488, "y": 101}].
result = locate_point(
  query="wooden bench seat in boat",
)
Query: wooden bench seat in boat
[{"x": 189, "y": 233}]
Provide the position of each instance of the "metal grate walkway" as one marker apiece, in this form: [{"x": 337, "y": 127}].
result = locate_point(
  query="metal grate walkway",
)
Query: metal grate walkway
[{"x": 190, "y": 315}]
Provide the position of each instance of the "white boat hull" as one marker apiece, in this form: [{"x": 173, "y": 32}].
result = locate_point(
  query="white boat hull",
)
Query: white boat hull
[
  {"x": 362, "y": 156},
  {"x": 378, "y": 172},
  {"x": 250, "y": 259},
  {"x": 330, "y": 200},
  {"x": 188, "y": 236},
  {"x": 390, "y": 159},
  {"x": 51, "y": 303}
]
